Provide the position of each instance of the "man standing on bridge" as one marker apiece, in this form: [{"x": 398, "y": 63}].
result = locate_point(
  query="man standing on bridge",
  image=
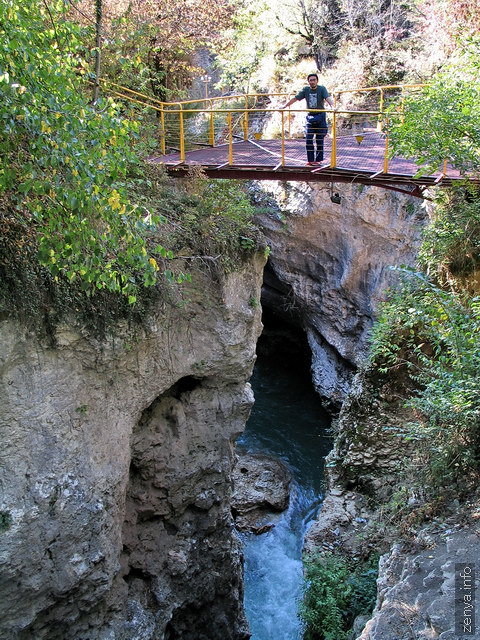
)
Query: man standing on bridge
[{"x": 316, "y": 124}]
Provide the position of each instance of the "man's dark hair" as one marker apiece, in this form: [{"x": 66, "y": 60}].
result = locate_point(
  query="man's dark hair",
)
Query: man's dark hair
[{"x": 312, "y": 75}]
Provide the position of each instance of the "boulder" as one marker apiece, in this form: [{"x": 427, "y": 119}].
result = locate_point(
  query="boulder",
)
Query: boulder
[{"x": 261, "y": 491}]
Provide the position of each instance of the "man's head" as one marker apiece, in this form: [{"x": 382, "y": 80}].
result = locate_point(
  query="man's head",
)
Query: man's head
[{"x": 312, "y": 80}]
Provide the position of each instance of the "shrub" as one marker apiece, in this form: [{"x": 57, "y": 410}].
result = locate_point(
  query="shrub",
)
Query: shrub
[
  {"x": 335, "y": 594},
  {"x": 451, "y": 246},
  {"x": 434, "y": 335}
]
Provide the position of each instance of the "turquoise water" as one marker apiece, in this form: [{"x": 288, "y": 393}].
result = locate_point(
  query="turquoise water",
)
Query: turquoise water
[{"x": 289, "y": 422}]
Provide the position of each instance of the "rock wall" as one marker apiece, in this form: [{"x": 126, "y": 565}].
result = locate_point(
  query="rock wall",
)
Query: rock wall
[
  {"x": 417, "y": 597},
  {"x": 330, "y": 265},
  {"x": 115, "y": 519}
]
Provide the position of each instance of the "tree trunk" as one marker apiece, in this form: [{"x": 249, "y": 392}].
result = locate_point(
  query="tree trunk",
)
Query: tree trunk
[{"x": 98, "y": 45}]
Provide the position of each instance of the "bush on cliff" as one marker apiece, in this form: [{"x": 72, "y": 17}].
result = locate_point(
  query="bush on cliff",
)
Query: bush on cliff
[
  {"x": 430, "y": 328},
  {"x": 82, "y": 219},
  {"x": 67, "y": 164},
  {"x": 434, "y": 335},
  {"x": 336, "y": 592}
]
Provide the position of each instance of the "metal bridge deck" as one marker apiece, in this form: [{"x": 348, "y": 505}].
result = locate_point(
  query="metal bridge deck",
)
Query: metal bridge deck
[{"x": 355, "y": 162}]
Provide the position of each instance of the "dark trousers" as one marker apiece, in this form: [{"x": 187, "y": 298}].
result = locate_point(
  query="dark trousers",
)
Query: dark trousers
[{"x": 316, "y": 127}]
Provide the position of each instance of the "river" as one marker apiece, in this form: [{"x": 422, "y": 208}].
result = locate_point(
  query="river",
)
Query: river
[{"x": 289, "y": 422}]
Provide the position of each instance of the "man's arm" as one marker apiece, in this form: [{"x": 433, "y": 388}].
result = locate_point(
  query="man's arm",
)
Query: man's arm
[
  {"x": 287, "y": 104},
  {"x": 330, "y": 101}
]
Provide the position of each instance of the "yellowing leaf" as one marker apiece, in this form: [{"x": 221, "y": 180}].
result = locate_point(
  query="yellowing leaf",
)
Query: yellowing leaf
[{"x": 114, "y": 200}]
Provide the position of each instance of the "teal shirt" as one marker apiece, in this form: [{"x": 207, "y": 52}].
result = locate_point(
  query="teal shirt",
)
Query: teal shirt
[{"x": 315, "y": 99}]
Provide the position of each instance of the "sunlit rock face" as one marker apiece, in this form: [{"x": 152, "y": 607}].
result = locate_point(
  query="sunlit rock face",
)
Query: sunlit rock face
[
  {"x": 330, "y": 266},
  {"x": 115, "y": 476}
]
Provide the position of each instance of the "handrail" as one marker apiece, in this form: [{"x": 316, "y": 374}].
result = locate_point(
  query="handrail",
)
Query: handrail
[
  {"x": 228, "y": 138},
  {"x": 274, "y": 110},
  {"x": 384, "y": 86},
  {"x": 259, "y": 95},
  {"x": 182, "y": 120}
]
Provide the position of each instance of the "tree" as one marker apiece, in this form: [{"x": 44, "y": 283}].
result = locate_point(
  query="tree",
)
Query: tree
[
  {"x": 154, "y": 40},
  {"x": 443, "y": 122},
  {"x": 318, "y": 23},
  {"x": 65, "y": 164},
  {"x": 373, "y": 19},
  {"x": 98, "y": 47}
]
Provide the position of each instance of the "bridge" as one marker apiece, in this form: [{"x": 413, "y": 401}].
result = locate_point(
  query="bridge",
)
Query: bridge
[{"x": 249, "y": 136}]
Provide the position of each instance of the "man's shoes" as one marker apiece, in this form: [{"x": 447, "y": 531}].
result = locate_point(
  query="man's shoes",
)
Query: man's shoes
[{"x": 313, "y": 164}]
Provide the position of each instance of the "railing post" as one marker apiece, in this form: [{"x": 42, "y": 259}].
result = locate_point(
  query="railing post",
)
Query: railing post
[
  {"x": 162, "y": 132},
  {"x": 245, "y": 119},
  {"x": 283, "y": 137},
  {"x": 333, "y": 156},
  {"x": 230, "y": 138},
  {"x": 380, "y": 123},
  {"x": 211, "y": 135},
  {"x": 182, "y": 136},
  {"x": 385, "y": 157}
]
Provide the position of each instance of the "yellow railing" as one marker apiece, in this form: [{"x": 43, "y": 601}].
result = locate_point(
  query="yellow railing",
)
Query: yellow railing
[
  {"x": 228, "y": 124},
  {"x": 212, "y": 121}
]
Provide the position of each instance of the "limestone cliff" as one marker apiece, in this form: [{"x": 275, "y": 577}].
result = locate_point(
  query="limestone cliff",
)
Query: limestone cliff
[
  {"x": 330, "y": 265},
  {"x": 115, "y": 475}
]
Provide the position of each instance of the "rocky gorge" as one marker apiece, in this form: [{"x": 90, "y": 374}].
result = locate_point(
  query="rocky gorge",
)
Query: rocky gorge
[{"x": 118, "y": 455}]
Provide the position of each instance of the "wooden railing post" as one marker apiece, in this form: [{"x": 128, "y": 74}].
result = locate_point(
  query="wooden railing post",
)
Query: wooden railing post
[
  {"x": 379, "y": 122},
  {"x": 245, "y": 119},
  {"x": 163, "y": 145},
  {"x": 333, "y": 156},
  {"x": 211, "y": 135},
  {"x": 230, "y": 138},
  {"x": 182, "y": 136},
  {"x": 385, "y": 157}
]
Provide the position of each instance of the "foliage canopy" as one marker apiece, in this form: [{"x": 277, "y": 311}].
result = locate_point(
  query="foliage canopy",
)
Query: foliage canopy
[
  {"x": 74, "y": 193},
  {"x": 65, "y": 163},
  {"x": 443, "y": 123},
  {"x": 150, "y": 45}
]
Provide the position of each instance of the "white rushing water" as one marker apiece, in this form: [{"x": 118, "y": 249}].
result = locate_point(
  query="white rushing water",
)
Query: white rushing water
[
  {"x": 287, "y": 421},
  {"x": 273, "y": 573}
]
